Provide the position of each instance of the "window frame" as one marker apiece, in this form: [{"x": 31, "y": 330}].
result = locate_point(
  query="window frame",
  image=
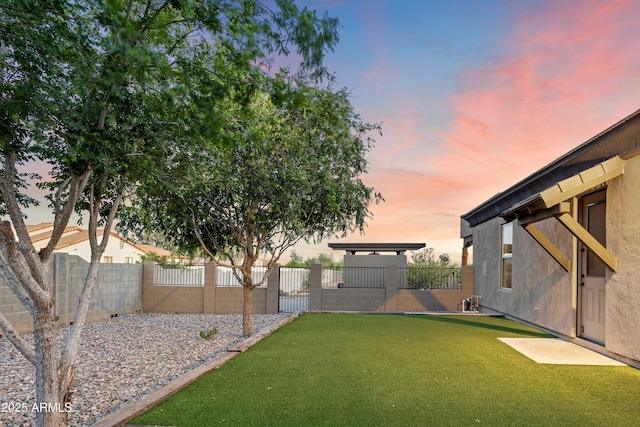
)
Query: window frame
[{"x": 506, "y": 255}]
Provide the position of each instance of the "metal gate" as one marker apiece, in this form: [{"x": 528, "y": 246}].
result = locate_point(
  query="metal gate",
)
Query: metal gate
[{"x": 293, "y": 291}]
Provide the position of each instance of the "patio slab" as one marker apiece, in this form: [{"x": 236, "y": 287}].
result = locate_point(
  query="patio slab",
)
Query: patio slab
[{"x": 559, "y": 352}]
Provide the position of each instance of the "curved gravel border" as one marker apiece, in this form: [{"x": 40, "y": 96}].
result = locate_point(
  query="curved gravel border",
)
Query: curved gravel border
[{"x": 122, "y": 359}]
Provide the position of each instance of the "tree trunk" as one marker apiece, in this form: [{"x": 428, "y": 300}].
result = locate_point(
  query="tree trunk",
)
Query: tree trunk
[
  {"x": 67, "y": 365},
  {"x": 49, "y": 408},
  {"x": 246, "y": 311}
]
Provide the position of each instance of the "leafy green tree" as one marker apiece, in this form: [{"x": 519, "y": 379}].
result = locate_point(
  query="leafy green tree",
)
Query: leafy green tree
[
  {"x": 425, "y": 271},
  {"x": 325, "y": 260},
  {"x": 289, "y": 172},
  {"x": 296, "y": 261},
  {"x": 102, "y": 92},
  {"x": 162, "y": 260},
  {"x": 426, "y": 258}
]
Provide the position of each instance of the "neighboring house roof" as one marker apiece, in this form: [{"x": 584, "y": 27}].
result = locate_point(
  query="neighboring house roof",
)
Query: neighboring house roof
[
  {"x": 46, "y": 235},
  {"x": 36, "y": 227},
  {"x": 149, "y": 248},
  {"x": 597, "y": 150},
  {"x": 74, "y": 235}
]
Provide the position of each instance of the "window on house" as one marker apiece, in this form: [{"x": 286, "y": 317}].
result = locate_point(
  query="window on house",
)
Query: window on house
[
  {"x": 507, "y": 247},
  {"x": 128, "y": 260},
  {"x": 108, "y": 260}
]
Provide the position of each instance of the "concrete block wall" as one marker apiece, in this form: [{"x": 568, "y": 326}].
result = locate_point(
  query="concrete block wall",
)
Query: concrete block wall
[
  {"x": 127, "y": 288},
  {"x": 172, "y": 299},
  {"x": 230, "y": 299},
  {"x": 178, "y": 299},
  {"x": 429, "y": 300},
  {"x": 117, "y": 291},
  {"x": 389, "y": 299},
  {"x": 353, "y": 299},
  {"x": 208, "y": 299},
  {"x": 13, "y": 310}
]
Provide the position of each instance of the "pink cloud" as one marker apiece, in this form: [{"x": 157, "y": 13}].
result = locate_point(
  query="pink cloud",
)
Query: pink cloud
[
  {"x": 417, "y": 201},
  {"x": 568, "y": 74}
]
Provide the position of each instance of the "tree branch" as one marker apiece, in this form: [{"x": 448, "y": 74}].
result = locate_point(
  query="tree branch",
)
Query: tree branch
[
  {"x": 16, "y": 339},
  {"x": 112, "y": 214},
  {"x": 9, "y": 195},
  {"x": 27, "y": 278},
  {"x": 62, "y": 214},
  {"x": 12, "y": 283},
  {"x": 66, "y": 366}
]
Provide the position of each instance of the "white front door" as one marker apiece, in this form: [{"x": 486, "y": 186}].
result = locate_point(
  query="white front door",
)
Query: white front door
[{"x": 592, "y": 269}]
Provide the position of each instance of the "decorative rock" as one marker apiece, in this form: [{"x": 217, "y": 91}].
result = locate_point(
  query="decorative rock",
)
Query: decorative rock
[{"x": 122, "y": 359}]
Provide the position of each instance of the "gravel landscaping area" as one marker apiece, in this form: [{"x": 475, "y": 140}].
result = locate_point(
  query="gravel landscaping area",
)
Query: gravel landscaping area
[{"x": 122, "y": 359}]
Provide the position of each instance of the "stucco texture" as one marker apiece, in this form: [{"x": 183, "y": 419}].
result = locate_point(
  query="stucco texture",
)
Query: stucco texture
[
  {"x": 622, "y": 328},
  {"x": 544, "y": 294},
  {"x": 541, "y": 290}
]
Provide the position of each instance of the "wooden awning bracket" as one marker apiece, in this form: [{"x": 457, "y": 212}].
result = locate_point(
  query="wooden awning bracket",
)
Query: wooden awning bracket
[
  {"x": 548, "y": 246},
  {"x": 590, "y": 242}
]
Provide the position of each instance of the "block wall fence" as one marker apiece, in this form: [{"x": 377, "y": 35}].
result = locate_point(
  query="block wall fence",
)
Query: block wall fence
[
  {"x": 117, "y": 291},
  {"x": 208, "y": 299},
  {"x": 130, "y": 288},
  {"x": 390, "y": 298}
]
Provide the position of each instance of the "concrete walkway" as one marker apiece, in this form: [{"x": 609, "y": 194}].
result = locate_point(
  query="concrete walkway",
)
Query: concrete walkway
[{"x": 558, "y": 352}]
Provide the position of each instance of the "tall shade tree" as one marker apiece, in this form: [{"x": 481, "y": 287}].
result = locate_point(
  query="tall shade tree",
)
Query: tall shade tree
[
  {"x": 99, "y": 92},
  {"x": 289, "y": 169}
]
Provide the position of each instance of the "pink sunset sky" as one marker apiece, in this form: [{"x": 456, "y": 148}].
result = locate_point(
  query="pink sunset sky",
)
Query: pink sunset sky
[{"x": 474, "y": 96}]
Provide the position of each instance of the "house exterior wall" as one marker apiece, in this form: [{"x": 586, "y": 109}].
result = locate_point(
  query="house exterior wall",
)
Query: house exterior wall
[
  {"x": 622, "y": 328},
  {"x": 544, "y": 294},
  {"x": 116, "y": 249},
  {"x": 541, "y": 291}
]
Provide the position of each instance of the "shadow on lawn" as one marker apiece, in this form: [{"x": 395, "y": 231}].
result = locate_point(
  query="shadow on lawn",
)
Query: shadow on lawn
[{"x": 478, "y": 323}]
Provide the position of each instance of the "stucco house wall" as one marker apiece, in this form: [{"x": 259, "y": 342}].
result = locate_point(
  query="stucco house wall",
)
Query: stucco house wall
[
  {"x": 623, "y": 238},
  {"x": 541, "y": 289},
  {"x": 75, "y": 241},
  {"x": 543, "y": 292},
  {"x": 117, "y": 251}
]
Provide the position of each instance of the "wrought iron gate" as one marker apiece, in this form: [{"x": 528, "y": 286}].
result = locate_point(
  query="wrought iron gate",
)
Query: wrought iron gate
[{"x": 293, "y": 291}]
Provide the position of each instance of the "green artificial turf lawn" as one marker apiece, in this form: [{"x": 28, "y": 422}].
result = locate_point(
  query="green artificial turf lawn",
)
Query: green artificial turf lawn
[{"x": 400, "y": 370}]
